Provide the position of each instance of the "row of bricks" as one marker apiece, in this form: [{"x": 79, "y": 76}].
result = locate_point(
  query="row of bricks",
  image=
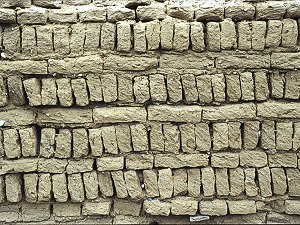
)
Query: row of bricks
[
  {"x": 160, "y": 61},
  {"x": 154, "y": 137},
  {"x": 27, "y": 212},
  {"x": 111, "y": 88},
  {"x": 245, "y": 159},
  {"x": 145, "y": 11},
  {"x": 167, "y": 35},
  {"x": 163, "y": 183},
  {"x": 153, "y": 113}
]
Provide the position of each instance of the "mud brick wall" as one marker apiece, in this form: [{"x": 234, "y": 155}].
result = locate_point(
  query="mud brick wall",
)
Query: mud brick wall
[{"x": 149, "y": 112}]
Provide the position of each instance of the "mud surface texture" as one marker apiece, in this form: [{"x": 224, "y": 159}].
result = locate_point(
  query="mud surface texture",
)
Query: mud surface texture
[{"x": 149, "y": 112}]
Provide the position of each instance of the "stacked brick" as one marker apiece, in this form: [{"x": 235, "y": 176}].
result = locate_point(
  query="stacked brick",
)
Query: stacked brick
[{"x": 142, "y": 111}]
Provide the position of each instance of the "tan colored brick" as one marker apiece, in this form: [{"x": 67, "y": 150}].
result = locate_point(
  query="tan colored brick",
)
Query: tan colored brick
[
  {"x": 172, "y": 139},
  {"x": 95, "y": 88},
  {"x": 234, "y": 135},
  {"x": 292, "y": 85},
  {"x": 64, "y": 91},
  {"x": 80, "y": 143},
  {"x": 213, "y": 36},
  {"x": 63, "y": 144},
  {"x": 273, "y": 37},
  {"x": 208, "y": 181},
  {"x": 99, "y": 207},
  {"x": 213, "y": 208},
  {"x": 108, "y": 35},
  {"x": 16, "y": 90},
  {"x": 47, "y": 145},
  {"x": 30, "y": 187},
  {"x": 180, "y": 182},
  {"x": 277, "y": 85},
  {"x": 44, "y": 187},
  {"x": 13, "y": 187},
  {"x": 153, "y": 34},
  {"x": 247, "y": 86},
  {"x": 228, "y": 34},
  {"x": 158, "y": 91},
  {"x": 167, "y": 33},
  {"x": 110, "y": 163},
  {"x": 151, "y": 183},
  {"x": 52, "y": 165},
  {"x": 105, "y": 184},
  {"x": 119, "y": 184},
  {"x": 230, "y": 112},
  {"x": 181, "y": 160},
  {"x": 187, "y": 135},
  {"x": 80, "y": 91},
  {"x": 75, "y": 187},
  {"x": 125, "y": 207},
  {"x": 165, "y": 183},
  {"x": 33, "y": 91},
  {"x": 139, "y": 31},
  {"x": 123, "y": 36},
  {"x": 261, "y": 86},
  {"x": 203, "y": 139},
  {"x": 225, "y": 159},
  {"x": 48, "y": 92},
  {"x": 125, "y": 88},
  {"x": 141, "y": 89},
  {"x": 174, "y": 86},
  {"x": 123, "y": 138},
  {"x": 236, "y": 180},
  {"x": 139, "y": 137},
  {"x": 119, "y": 114},
  {"x": 197, "y": 36},
  {"x": 156, "y": 207},
  {"x": 204, "y": 85},
  {"x": 218, "y": 87},
  {"x": 109, "y": 139},
  {"x": 251, "y": 134},
  {"x": 139, "y": 161},
  {"x": 279, "y": 181},
  {"x": 28, "y": 141},
  {"x": 109, "y": 87},
  {"x": 293, "y": 176},
  {"x": 189, "y": 87},
  {"x": 253, "y": 159},
  {"x": 63, "y": 115},
  {"x": 268, "y": 135},
  {"x": 284, "y": 136},
  {"x": 11, "y": 143},
  {"x": 289, "y": 33},
  {"x": 133, "y": 184},
  {"x": 292, "y": 207},
  {"x": 156, "y": 137},
  {"x": 95, "y": 141},
  {"x": 184, "y": 206},
  {"x": 250, "y": 182},
  {"x": 222, "y": 181},
  {"x": 194, "y": 182},
  {"x": 258, "y": 35},
  {"x": 59, "y": 187},
  {"x": 220, "y": 136},
  {"x": 283, "y": 160},
  {"x": 240, "y": 207},
  {"x": 264, "y": 181},
  {"x": 90, "y": 180},
  {"x": 244, "y": 35},
  {"x": 233, "y": 87},
  {"x": 181, "y": 37}
]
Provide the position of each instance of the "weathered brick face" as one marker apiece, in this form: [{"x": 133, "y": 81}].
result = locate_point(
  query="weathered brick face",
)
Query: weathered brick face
[{"x": 142, "y": 111}]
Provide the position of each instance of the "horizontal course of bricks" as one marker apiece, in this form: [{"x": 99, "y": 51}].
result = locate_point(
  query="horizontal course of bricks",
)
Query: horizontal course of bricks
[{"x": 149, "y": 111}]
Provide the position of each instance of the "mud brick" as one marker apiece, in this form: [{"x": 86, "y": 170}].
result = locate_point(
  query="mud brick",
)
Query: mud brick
[
  {"x": 105, "y": 183},
  {"x": 29, "y": 141},
  {"x": 119, "y": 184},
  {"x": 63, "y": 144},
  {"x": 158, "y": 89},
  {"x": 109, "y": 139},
  {"x": 64, "y": 91},
  {"x": 139, "y": 137},
  {"x": 188, "y": 138},
  {"x": 181, "y": 39},
  {"x": 125, "y": 88},
  {"x": 172, "y": 139},
  {"x": 222, "y": 181},
  {"x": 189, "y": 87},
  {"x": 11, "y": 143},
  {"x": 141, "y": 89},
  {"x": 153, "y": 34},
  {"x": 33, "y": 91},
  {"x": 44, "y": 187},
  {"x": 75, "y": 187},
  {"x": 174, "y": 87},
  {"x": 16, "y": 90},
  {"x": 208, "y": 181}
]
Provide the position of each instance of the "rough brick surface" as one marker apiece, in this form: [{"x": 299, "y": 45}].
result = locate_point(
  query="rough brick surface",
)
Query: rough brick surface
[{"x": 149, "y": 112}]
